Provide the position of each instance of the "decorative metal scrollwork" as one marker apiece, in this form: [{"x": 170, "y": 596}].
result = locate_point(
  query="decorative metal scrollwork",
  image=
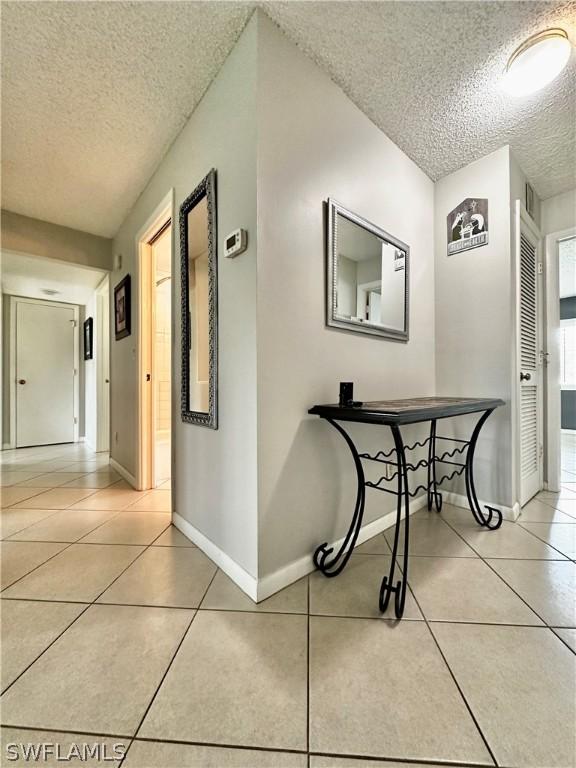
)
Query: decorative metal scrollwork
[{"x": 331, "y": 564}]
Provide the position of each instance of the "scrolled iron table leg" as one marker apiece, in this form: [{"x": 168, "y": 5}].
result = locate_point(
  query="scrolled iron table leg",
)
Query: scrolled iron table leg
[
  {"x": 332, "y": 566},
  {"x": 434, "y": 497},
  {"x": 388, "y": 587},
  {"x": 493, "y": 519}
]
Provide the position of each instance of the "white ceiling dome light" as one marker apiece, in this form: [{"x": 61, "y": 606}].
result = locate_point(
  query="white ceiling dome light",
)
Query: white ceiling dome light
[{"x": 536, "y": 62}]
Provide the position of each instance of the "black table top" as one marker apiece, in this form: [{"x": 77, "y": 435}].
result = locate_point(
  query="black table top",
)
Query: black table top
[{"x": 408, "y": 411}]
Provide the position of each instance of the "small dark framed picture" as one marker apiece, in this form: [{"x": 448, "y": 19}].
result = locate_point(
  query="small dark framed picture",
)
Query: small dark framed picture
[
  {"x": 122, "y": 309},
  {"x": 88, "y": 339}
]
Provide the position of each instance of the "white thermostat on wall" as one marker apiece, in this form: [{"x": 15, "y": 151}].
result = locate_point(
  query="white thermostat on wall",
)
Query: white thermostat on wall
[{"x": 236, "y": 243}]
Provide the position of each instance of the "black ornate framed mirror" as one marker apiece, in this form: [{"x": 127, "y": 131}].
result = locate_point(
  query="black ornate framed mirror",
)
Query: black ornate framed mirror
[{"x": 199, "y": 275}]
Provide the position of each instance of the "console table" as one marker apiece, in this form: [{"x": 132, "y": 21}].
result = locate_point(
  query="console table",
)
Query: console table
[{"x": 459, "y": 454}]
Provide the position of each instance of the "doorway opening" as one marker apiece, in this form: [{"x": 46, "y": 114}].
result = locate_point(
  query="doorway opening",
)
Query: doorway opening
[
  {"x": 567, "y": 296},
  {"x": 51, "y": 348},
  {"x": 102, "y": 344},
  {"x": 561, "y": 360},
  {"x": 155, "y": 350}
]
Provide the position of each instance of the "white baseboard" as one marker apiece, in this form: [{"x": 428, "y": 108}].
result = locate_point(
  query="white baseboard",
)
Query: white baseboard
[
  {"x": 245, "y": 580},
  {"x": 260, "y": 589},
  {"x": 281, "y": 578},
  {"x": 458, "y": 500},
  {"x": 123, "y": 472}
]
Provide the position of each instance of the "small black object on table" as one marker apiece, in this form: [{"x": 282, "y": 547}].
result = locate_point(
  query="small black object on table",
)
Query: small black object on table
[{"x": 395, "y": 413}]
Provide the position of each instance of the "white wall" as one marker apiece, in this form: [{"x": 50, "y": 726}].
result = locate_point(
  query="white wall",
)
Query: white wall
[
  {"x": 474, "y": 319},
  {"x": 52, "y": 241},
  {"x": 215, "y": 470},
  {"x": 347, "y": 286},
  {"x": 313, "y": 143},
  {"x": 518, "y": 181},
  {"x": 559, "y": 212}
]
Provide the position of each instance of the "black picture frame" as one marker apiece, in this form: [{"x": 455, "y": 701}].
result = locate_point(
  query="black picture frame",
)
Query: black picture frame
[
  {"x": 122, "y": 309},
  {"x": 88, "y": 339}
]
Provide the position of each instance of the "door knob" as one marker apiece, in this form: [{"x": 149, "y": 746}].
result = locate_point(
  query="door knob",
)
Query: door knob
[
  {"x": 21, "y": 381},
  {"x": 525, "y": 376}
]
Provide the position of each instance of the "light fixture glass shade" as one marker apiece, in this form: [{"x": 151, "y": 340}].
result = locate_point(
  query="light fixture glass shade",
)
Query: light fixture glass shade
[{"x": 537, "y": 62}]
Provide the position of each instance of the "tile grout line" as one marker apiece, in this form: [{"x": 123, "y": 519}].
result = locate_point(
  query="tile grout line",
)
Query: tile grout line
[
  {"x": 551, "y": 506},
  {"x": 568, "y": 557},
  {"x": 89, "y": 605},
  {"x": 40, "y": 491},
  {"x": 69, "y": 509},
  {"x": 9, "y": 538},
  {"x": 561, "y": 638},
  {"x": 244, "y": 747},
  {"x": 287, "y": 613},
  {"x": 54, "y": 541},
  {"x": 146, "y": 547},
  {"x": 453, "y": 676},
  {"x": 408, "y": 761},
  {"x": 12, "y": 583},
  {"x": 23, "y": 483},
  {"x": 505, "y": 582},
  {"x": 23, "y": 672},
  {"x": 70, "y": 731},
  {"x": 179, "y": 645}
]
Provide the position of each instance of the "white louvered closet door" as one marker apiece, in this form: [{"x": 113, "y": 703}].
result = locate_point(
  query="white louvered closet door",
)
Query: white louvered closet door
[{"x": 530, "y": 395}]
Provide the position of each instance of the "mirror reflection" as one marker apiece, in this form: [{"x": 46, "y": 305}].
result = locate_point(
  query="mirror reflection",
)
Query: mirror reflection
[
  {"x": 371, "y": 276},
  {"x": 368, "y": 282},
  {"x": 199, "y": 340},
  {"x": 199, "y": 305}
]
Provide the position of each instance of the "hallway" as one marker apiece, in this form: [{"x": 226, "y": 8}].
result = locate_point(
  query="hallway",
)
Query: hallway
[
  {"x": 568, "y": 460},
  {"x": 116, "y": 626}
]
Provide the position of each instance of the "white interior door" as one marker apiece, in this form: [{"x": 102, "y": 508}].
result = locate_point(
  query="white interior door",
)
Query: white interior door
[
  {"x": 45, "y": 376},
  {"x": 529, "y": 358}
]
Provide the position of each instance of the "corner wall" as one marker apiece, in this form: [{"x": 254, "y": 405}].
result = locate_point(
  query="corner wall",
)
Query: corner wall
[
  {"x": 214, "y": 481},
  {"x": 474, "y": 320},
  {"x": 559, "y": 212},
  {"x": 314, "y": 143}
]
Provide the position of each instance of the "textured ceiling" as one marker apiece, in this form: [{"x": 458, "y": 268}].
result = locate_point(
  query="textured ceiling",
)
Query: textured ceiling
[
  {"x": 427, "y": 74},
  {"x": 95, "y": 92},
  {"x": 93, "y": 95}
]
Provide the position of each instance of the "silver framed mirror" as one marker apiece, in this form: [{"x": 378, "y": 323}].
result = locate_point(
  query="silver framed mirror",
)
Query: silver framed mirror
[
  {"x": 368, "y": 280},
  {"x": 199, "y": 295}
]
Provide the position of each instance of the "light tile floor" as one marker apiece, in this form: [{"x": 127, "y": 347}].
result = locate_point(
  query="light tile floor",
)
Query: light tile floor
[{"x": 118, "y": 631}]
